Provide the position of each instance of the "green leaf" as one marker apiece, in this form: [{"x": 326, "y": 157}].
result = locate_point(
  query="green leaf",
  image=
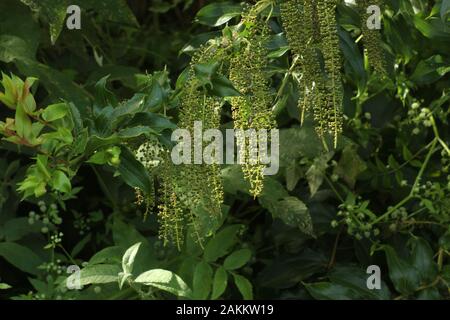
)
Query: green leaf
[
  {"x": 244, "y": 286},
  {"x": 95, "y": 143},
  {"x": 216, "y": 83},
  {"x": 446, "y": 273},
  {"x": 122, "y": 278},
  {"x": 294, "y": 213},
  {"x": 12, "y": 11},
  {"x": 16, "y": 228},
  {"x": 288, "y": 270},
  {"x": 155, "y": 121},
  {"x": 128, "y": 258},
  {"x": 23, "y": 123},
  {"x": 432, "y": 28},
  {"x": 444, "y": 241},
  {"x": 4, "y": 286},
  {"x": 219, "y": 283},
  {"x": 127, "y": 109},
  {"x": 55, "y": 140},
  {"x": 126, "y": 235},
  {"x": 350, "y": 165},
  {"x": 192, "y": 46},
  {"x": 79, "y": 143},
  {"x": 203, "y": 275},
  {"x": 296, "y": 143},
  {"x": 273, "y": 192},
  {"x": 233, "y": 180},
  {"x": 445, "y": 9},
  {"x": 278, "y": 53},
  {"x": 165, "y": 280},
  {"x": 12, "y": 48},
  {"x": 60, "y": 182},
  {"x": 40, "y": 286},
  {"x": 81, "y": 245},
  {"x": 55, "y": 111},
  {"x": 316, "y": 172},
  {"x": 57, "y": 84},
  {"x": 277, "y": 41},
  {"x": 21, "y": 257},
  {"x": 110, "y": 10},
  {"x": 100, "y": 157},
  {"x": 124, "y": 74},
  {"x": 96, "y": 274},
  {"x": 422, "y": 260},
  {"x": 356, "y": 279},
  {"x": 353, "y": 58},
  {"x": 237, "y": 259},
  {"x": 205, "y": 71},
  {"x": 110, "y": 156},
  {"x": 54, "y": 11},
  {"x": 108, "y": 255},
  {"x": 291, "y": 210},
  {"x": 331, "y": 291},
  {"x": 429, "y": 294},
  {"x": 155, "y": 96},
  {"x": 104, "y": 96},
  {"x": 223, "y": 87},
  {"x": 220, "y": 244},
  {"x": 135, "y": 132},
  {"x": 430, "y": 70},
  {"x": 404, "y": 276},
  {"x": 133, "y": 172},
  {"x": 216, "y": 14}
]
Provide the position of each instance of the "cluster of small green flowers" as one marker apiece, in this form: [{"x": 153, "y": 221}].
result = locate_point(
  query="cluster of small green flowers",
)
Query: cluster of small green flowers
[
  {"x": 48, "y": 216},
  {"x": 33, "y": 217},
  {"x": 53, "y": 267},
  {"x": 170, "y": 215},
  {"x": 150, "y": 155},
  {"x": 252, "y": 109},
  {"x": 445, "y": 161},
  {"x": 361, "y": 122},
  {"x": 330, "y": 119},
  {"x": 38, "y": 296},
  {"x": 82, "y": 223},
  {"x": 372, "y": 38},
  {"x": 419, "y": 117},
  {"x": 398, "y": 216},
  {"x": 55, "y": 239},
  {"x": 435, "y": 197},
  {"x": 358, "y": 218},
  {"x": 184, "y": 187},
  {"x": 42, "y": 296},
  {"x": 311, "y": 30}
]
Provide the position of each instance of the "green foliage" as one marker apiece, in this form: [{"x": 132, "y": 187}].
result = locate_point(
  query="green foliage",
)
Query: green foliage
[{"x": 86, "y": 178}]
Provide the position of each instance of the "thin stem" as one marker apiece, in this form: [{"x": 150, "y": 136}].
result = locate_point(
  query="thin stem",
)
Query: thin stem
[
  {"x": 334, "y": 189},
  {"x": 335, "y": 246},
  {"x": 67, "y": 254}
]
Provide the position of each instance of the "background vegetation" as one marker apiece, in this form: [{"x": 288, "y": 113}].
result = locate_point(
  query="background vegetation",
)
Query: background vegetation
[{"x": 84, "y": 100}]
